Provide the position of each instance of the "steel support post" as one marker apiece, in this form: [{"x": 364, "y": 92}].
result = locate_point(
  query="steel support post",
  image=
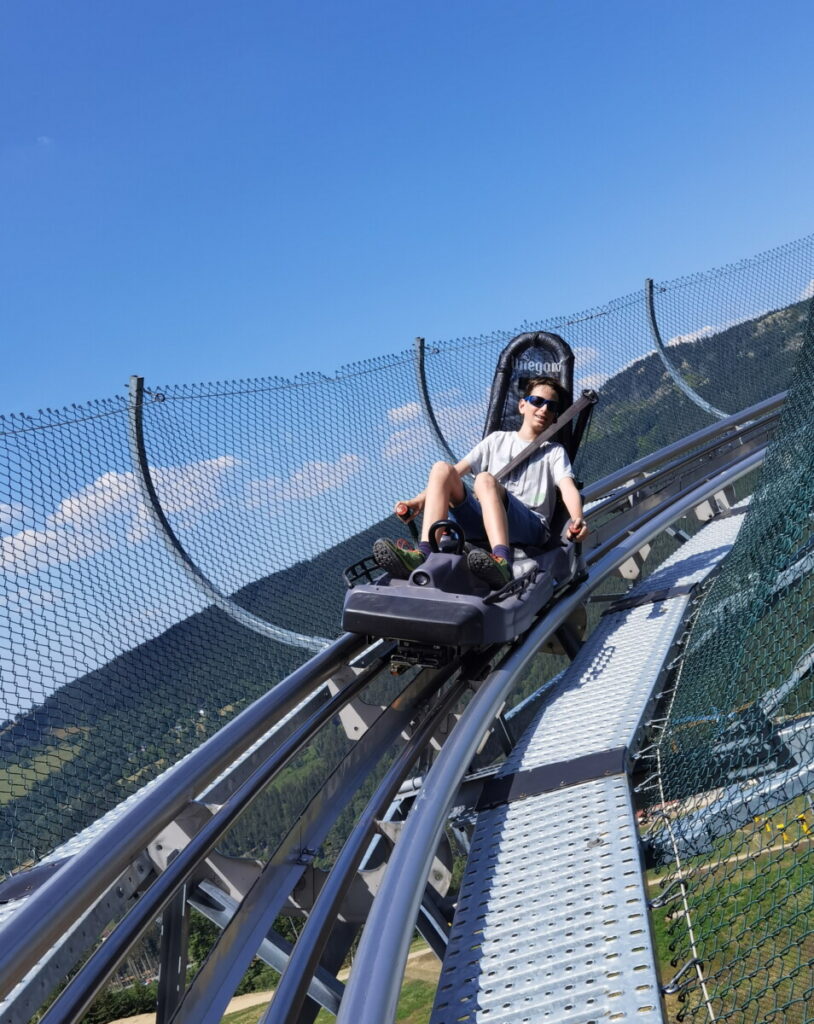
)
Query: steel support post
[
  {"x": 172, "y": 973},
  {"x": 209, "y": 994}
]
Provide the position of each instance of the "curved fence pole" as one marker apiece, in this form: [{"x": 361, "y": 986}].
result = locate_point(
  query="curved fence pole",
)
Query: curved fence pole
[
  {"x": 424, "y": 394},
  {"x": 226, "y": 604},
  {"x": 668, "y": 366}
]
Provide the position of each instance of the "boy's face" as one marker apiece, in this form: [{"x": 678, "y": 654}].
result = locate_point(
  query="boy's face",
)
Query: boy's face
[{"x": 538, "y": 418}]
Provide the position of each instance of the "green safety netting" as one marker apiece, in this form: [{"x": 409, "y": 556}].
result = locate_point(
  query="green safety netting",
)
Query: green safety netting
[{"x": 732, "y": 818}]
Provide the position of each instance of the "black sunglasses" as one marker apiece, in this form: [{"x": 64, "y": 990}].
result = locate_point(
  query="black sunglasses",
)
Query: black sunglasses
[{"x": 539, "y": 402}]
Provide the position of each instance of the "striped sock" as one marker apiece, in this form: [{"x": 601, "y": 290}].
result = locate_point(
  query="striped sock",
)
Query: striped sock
[{"x": 502, "y": 551}]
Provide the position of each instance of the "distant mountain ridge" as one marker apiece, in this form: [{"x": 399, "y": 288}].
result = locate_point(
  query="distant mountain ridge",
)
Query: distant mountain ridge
[{"x": 641, "y": 410}]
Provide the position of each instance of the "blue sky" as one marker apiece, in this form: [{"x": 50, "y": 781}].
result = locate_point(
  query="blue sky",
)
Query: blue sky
[{"x": 199, "y": 190}]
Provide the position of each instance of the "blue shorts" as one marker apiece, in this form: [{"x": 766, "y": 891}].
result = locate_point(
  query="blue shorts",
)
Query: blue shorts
[{"x": 526, "y": 528}]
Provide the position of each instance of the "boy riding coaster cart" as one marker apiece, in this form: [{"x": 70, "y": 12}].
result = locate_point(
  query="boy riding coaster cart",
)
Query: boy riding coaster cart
[{"x": 488, "y": 560}]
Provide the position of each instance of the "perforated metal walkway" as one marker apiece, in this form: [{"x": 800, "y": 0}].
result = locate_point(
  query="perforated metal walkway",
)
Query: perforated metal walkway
[{"x": 552, "y": 919}]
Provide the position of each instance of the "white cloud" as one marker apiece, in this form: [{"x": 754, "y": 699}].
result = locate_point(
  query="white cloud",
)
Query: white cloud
[
  {"x": 400, "y": 444},
  {"x": 179, "y": 488},
  {"x": 460, "y": 422},
  {"x": 315, "y": 477},
  {"x": 454, "y": 395},
  {"x": 12, "y": 515},
  {"x": 463, "y": 421},
  {"x": 404, "y": 413},
  {"x": 193, "y": 487},
  {"x": 702, "y": 332},
  {"x": 807, "y": 292},
  {"x": 31, "y": 598},
  {"x": 33, "y": 550},
  {"x": 110, "y": 509},
  {"x": 108, "y": 494},
  {"x": 140, "y": 527},
  {"x": 311, "y": 479}
]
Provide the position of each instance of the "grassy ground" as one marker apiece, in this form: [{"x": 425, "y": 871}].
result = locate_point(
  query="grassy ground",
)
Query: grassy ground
[
  {"x": 414, "y": 1007},
  {"x": 17, "y": 781},
  {"x": 751, "y": 902},
  {"x": 417, "y": 993}
]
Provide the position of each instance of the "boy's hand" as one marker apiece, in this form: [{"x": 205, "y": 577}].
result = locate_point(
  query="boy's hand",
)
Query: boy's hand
[
  {"x": 578, "y": 529},
  {"x": 408, "y": 510}
]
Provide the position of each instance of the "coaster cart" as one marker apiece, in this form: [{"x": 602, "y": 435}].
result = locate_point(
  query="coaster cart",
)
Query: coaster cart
[{"x": 443, "y": 609}]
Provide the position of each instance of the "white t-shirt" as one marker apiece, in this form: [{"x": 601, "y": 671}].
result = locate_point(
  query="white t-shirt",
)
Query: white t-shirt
[{"x": 533, "y": 481}]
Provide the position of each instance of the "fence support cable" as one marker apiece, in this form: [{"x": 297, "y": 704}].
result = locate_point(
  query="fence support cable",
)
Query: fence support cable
[
  {"x": 426, "y": 403},
  {"x": 668, "y": 366},
  {"x": 226, "y": 604}
]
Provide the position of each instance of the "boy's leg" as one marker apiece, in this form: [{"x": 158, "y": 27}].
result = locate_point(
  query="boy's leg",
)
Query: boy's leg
[
  {"x": 444, "y": 489},
  {"x": 495, "y": 568},
  {"x": 492, "y": 497},
  {"x": 506, "y": 520}
]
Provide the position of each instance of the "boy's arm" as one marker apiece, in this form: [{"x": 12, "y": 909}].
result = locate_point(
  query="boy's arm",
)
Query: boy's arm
[{"x": 573, "y": 502}]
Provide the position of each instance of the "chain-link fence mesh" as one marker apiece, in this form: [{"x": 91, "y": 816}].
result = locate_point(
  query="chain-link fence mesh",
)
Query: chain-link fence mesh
[
  {"x": 733, "y": 815},
  {"x": 115, "y": 663}
]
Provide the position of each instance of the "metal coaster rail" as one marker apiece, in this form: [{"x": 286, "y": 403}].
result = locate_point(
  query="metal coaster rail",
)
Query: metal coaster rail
[
  {"x": 628, "y": 509},
  {"x": 85, "y": 878},
  {"x": 76, "y": 998}
]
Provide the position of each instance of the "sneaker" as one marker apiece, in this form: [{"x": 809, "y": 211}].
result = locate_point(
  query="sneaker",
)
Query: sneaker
[
  {"x": 398, "y": 559},
  {"x": 489, "y": 568}
]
